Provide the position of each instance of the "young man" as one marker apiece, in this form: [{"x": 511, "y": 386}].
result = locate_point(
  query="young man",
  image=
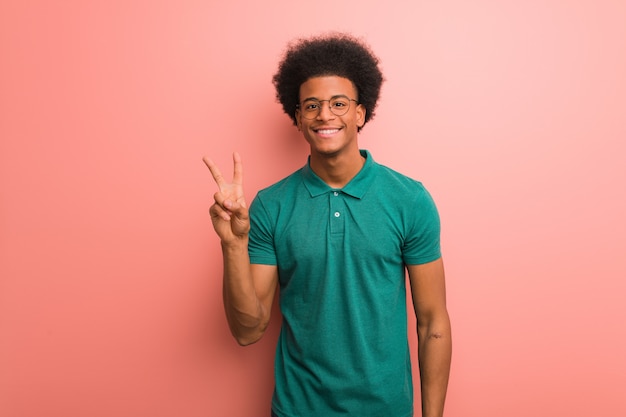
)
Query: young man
[{"x": 337, "y": 237}]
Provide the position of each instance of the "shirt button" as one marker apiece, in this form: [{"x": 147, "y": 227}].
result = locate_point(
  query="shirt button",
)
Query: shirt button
[
  {"x": 336, "y": 193},
  {"x": 337, "y": 214}
]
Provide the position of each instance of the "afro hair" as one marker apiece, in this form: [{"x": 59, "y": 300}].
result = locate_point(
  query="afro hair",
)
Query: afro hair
[{"x": 334, "y": 54}]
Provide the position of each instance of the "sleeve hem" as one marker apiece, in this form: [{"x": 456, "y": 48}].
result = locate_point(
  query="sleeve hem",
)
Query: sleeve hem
[
  {"x": 262, "y": 261},
  {"x": 422, "y": 259}
]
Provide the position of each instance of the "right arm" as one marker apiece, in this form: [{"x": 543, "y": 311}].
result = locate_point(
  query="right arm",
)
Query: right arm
[{"x": 248, "y": 289}]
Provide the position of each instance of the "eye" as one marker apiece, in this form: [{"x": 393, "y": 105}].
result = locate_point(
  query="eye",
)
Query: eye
[
  {"x": 311, "y": 106},
  {"x": 339, "y": 103}
]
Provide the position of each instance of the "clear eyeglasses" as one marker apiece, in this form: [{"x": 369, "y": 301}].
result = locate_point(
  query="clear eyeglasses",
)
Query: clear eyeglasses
[{"x": 338, "y": 105}]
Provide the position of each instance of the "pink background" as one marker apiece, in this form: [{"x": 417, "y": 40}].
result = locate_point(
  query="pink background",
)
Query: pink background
[{"x": 512, "y": 113}]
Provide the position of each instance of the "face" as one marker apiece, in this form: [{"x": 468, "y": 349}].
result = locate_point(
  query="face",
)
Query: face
[{"x": 327, "y": 133}]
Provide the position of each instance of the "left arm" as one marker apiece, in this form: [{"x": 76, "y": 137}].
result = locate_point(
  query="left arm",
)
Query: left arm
[{"x": 434, "y": 335}]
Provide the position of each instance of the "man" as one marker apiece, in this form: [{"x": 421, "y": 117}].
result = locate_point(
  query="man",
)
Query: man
[{"x": 337, "y": 237}]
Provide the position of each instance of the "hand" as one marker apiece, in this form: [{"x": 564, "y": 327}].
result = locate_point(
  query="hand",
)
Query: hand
[{"x": 229, "y": 213}]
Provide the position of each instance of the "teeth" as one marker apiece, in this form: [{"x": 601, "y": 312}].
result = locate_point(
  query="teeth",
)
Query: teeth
[{"x": 327, "y": 131}]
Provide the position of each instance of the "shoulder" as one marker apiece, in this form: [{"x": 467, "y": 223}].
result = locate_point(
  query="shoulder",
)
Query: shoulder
[
  {"x": 395, "y": 183},
  {"x": 288, "y": 183},
  {"x": 278, "y": 192}
]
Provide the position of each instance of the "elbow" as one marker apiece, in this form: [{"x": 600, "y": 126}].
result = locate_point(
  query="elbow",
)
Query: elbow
[
  {"x": 434, "y": 328},
  {"x": 247, "y": 340},
  {"x": 247, "y": 329},
  {"x": 247, "y": 335}
]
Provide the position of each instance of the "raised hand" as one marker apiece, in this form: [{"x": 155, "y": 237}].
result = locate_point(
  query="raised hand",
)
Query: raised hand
[{"x": 229, "y": 213}]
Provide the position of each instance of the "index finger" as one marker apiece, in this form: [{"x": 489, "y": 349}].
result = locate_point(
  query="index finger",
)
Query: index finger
[{"x": 215, "y": 172}]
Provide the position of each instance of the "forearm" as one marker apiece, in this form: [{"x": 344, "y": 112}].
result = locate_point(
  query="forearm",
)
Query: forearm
[
  {"x": 245, "y": 313},
  {"x": 434, "y": 351}
]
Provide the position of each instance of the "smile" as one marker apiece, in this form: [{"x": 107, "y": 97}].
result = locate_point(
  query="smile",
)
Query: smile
[{"x": 326, "y": 131}]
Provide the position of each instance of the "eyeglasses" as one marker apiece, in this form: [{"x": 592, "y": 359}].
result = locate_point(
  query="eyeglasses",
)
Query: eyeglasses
[{"x": 338, "y": 105}]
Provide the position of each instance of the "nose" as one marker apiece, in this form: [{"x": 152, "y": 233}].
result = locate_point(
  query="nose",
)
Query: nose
[{"x": 325, "y": 113}]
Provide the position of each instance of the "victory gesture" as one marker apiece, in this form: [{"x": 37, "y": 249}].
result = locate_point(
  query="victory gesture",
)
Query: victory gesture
[{"x": 229, "y": 213}]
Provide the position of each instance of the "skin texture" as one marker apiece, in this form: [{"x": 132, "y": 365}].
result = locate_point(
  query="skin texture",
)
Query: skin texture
[
  {"x": 428, "y": 292},
  {"x": 335, "y": 157},
  {"x": 249, "y": 289}
]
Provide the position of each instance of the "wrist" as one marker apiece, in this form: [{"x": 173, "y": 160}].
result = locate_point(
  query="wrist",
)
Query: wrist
[{"x": 237, "y": 243}]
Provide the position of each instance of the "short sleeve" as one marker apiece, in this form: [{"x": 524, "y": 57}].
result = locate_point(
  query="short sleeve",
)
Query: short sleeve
[
  {"x": 422, "y": 243},
  {"x": 261, "y": 237}
]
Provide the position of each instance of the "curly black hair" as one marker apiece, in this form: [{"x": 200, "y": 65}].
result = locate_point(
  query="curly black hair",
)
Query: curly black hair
[{"x": 337, "y": 54}]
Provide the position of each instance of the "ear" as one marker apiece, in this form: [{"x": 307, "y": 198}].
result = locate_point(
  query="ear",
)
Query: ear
[
  {"x": 297, "y": 117},
  {"x": 360, "y": 115}
]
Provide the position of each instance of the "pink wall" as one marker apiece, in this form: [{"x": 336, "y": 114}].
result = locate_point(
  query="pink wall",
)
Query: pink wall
[{"x": 512, "y": 113}]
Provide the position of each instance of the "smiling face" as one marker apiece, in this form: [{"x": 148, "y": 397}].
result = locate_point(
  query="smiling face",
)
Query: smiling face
[{"x": 327, "y": 133}]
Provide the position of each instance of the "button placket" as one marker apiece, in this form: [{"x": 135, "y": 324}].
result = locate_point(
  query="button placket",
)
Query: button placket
[{"x": 337, "y": 207}]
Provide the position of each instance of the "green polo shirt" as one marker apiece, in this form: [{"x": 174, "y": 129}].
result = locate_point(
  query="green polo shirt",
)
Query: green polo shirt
[{"x": 341, "y": 256}]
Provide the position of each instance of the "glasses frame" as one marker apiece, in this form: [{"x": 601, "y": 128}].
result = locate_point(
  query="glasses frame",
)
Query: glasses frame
[{"x": 319, "y": 109}]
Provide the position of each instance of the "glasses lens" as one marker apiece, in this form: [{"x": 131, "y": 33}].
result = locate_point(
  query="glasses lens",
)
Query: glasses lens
[
  {"x": 338, "y": 106},
  {"x": 310, "y": 109}
]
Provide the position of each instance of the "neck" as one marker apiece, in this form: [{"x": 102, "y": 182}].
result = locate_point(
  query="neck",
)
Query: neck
[{"x": 337, "y": 170}]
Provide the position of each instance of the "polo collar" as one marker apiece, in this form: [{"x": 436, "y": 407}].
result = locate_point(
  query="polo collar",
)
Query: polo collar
[{"x": 357, "y": 186}]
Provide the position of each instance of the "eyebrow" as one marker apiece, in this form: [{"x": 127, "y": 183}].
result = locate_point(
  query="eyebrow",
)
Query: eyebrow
[{"x": 317, "y": 99}]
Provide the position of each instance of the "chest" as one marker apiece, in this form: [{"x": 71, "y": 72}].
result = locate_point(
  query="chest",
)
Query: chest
[{"x": 336, "y": 227}]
